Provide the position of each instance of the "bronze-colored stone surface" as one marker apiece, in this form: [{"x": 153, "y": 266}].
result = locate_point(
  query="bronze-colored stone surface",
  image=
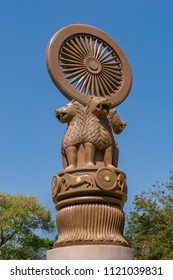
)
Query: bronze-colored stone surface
[
  {"x": 82, "y": 184},
  {"x": 90, "y": 223},
  {"x": 92, "y": 71}
]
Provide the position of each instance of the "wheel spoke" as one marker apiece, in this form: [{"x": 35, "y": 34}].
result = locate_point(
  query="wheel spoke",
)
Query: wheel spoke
[
  {"x": 92, "y": 86},
  {"x": 111, "y": 82},
  {"x": 78, "y": 49},
  {"x": 106, "y": 55},
  {"x": 81, "y": 80},
  {"x": 111, "y": 67},
  {"x": 85, "y": 82},
  {"x": 83, "y": 44},
  {"x": 91, "y": 46},
  {"x": 74, "y": 74},
  {"x": 103, "y": 51},
  {"x": 74, "y": 50},
  {"x": 106, "y": 91},
  {"x": 69, "y": 65},
  {"x": 95, "y": 47},
  {"x": 107, "y": 82},
  {"x": 68, "y": 51},
  {"x": 77, "y": 77},
  {"x": 71, "y": 70},
  {"x": 96, "y": 85},
  {"x": 101, "y": 86},
  {"x": 110, "y": 59},
  {"x": 88, "y": 85},
  {"x": 87, "y": 45},
  {"x": 80, "y": 45},
  {"x": 114, "y": 74},
  {"x": 111, "y": 63},
  {"x": 99, "y": 49},
  {"x": 113, "y": 78},
  {"x": 67, "y": 55},
  {"x": 66, "y": 61}
]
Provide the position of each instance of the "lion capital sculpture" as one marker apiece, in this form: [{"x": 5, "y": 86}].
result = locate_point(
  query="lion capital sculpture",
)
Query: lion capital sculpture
[{"x": 93, "y": 128}]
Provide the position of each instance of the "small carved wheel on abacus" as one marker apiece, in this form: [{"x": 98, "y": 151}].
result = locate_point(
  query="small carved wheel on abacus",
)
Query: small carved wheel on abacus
[
  {"x": 83, "y": 61},
  {"x": 106, "y": 179}
]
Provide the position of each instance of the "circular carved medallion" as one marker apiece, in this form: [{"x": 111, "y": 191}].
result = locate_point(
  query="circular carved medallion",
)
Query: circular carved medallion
[
  {"x": 56, "y": 185},
  {"x": 106, "y": 179},
  {"x": 83, "y": 61}
]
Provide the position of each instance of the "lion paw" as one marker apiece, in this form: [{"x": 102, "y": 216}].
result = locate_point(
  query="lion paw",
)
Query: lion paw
[
  {"x": 90, "y": 164},
  {"x": 70, "y": 167}
]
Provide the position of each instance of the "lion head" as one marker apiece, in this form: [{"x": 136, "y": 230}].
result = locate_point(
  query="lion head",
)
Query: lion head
[
  {"x": 99, "y": 106},
  {"x": 117, "y": 124},
  {"x": 68, "y": 112}
]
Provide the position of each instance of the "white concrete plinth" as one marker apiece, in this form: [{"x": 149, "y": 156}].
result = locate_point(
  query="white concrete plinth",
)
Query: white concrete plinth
[{"x": 90, "y": 252}]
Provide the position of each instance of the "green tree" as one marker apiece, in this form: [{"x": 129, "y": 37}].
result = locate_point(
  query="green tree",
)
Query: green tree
[
  {"x": 150, "y": 225},
  {"x": 22, "y": 220}
]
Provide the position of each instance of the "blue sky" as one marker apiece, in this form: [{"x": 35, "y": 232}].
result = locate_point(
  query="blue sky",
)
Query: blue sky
[{"x": 30, "y": 134}]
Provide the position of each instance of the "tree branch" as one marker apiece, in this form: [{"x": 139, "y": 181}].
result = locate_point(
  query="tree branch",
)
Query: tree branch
[{"x": 4, "y": 240}]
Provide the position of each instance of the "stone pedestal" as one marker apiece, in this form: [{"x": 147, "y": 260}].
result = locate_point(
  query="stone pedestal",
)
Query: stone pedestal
[
  {"x": 90, "y": 252},
  {"x": 90, "y": 204}
]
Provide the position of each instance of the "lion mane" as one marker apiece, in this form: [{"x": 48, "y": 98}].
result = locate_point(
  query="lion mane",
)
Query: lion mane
[{"x": 97, "y": 128}]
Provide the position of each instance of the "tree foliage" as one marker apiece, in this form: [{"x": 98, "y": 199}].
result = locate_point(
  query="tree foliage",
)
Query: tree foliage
[
  {"x": 21, "y": 219},
  {"x": 150, "y": 224}
]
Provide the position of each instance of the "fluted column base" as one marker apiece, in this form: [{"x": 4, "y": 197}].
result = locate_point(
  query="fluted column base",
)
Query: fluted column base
[{"x": 90, "y": 223}]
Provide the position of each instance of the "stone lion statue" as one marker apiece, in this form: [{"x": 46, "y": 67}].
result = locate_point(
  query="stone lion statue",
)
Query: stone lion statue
[
  {"x": 117, "y": 126},
  {"x": 97, "y": 132},
  {"x": 73, "y": 114},
  {"x": 92, "y": 126}
]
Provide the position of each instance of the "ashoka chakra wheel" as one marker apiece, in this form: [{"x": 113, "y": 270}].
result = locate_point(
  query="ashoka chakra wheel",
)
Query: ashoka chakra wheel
[
  {"x": 83, "y": 61},
  {"x": 106, "y": 179}
]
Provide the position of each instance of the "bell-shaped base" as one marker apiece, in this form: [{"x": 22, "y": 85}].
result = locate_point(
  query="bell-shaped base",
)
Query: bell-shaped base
[{"x": 90, "y": 223}]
